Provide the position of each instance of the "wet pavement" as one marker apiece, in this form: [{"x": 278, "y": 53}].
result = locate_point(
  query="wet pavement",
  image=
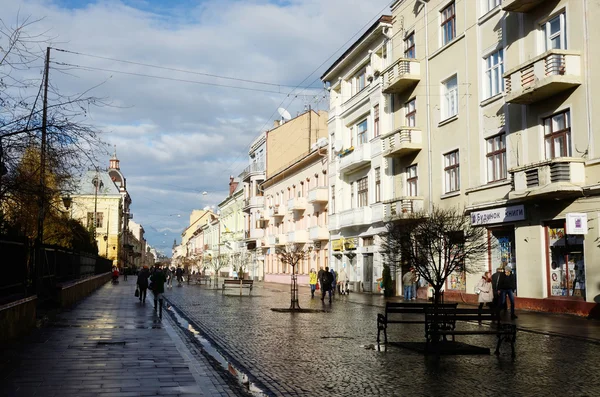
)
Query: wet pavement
[
  {"x": 110, "y": 345},
  {"x": 331, "y": 353}
]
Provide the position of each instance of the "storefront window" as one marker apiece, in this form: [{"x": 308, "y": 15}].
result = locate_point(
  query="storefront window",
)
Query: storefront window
[
  {"x": 502, "y": 250},
  {"x": 566, "y": 262},
  {"x": 456, "y": 281}
]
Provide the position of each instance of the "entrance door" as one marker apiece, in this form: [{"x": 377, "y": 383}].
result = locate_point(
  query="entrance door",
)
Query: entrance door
[{"x": 368, "y": 273}]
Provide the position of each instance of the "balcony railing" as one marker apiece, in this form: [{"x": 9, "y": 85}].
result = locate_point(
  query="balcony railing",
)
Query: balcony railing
[
  {"x": 271, "y": 240},
  {"x": 543, "y": 76},
  {"x": 298, "y": 236},
  {"x": 277, "y": 211},
  {"x": 297, "y": 204},
  {"x": 403, "y": 74},
  {"x": 254, "y": 202},
  {"x": 520, "y": 5},
  {"x": 318, "y": 233},
  {"x": 318, "y": 195},
  {"x": 557, "y": 178},
  {"x": 405, "y": 140},
  {"x": 254, "y": 234},
  {"x": 281, "y": 239},
  {"x": 359, "y": 157},
  {"x": 355, "y": 217},
  {"x": 402, "y": 207},
  {"x": 253, "y": 169}
]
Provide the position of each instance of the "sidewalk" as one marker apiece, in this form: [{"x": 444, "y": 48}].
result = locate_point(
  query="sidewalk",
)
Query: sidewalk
[
  {"x": 565, "y": 325},
  {"x": 108, "y": 345}
]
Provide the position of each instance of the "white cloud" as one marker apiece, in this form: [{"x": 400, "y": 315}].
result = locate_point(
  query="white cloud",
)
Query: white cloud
[{"x": 172, "y": 135}]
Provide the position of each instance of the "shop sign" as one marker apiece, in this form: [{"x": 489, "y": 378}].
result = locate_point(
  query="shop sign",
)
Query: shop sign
[
  {"x": 351, "y": 243},
  {"x": 498, "y": 215},
  {"x": 337, "y": 245},
  {"x": 576, "y": 223}
]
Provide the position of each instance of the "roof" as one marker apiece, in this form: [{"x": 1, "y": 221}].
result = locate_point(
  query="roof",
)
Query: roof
[
  {"x": 85, "y": 185},
  {"x": 383, "y": 19}
]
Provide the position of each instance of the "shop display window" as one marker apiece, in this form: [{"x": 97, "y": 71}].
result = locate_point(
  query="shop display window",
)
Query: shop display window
[{"x": 566, "y": 262}]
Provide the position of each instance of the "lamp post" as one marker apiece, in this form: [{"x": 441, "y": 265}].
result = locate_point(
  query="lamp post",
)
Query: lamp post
[{"x": 97, "y": 185}]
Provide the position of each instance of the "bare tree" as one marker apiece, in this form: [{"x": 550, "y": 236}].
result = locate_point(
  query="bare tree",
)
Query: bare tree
[
  {"x": 216, "y": 264},
  {"x": 292, "y": 255},
  {"x": 436, "y": 244},
  {"x": 241, "y": 261}
]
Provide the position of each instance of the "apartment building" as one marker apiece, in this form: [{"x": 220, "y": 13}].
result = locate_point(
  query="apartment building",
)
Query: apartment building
[
  {"x": 360, "y": 117},
  {"x": 295, "y": 194},
  {"x": 231, "y": 224},
  {"x": 500, "y": 95},
  {"x": 254, "y": 205}
]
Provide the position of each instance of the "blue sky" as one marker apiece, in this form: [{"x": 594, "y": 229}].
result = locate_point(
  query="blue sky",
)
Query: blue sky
[{"x": 176, "y": 139}]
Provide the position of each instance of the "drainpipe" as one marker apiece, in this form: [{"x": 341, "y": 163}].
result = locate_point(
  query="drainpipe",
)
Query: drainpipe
[
  {"x": 588, "y": 83},
  {"x": 428, "y": 99}
]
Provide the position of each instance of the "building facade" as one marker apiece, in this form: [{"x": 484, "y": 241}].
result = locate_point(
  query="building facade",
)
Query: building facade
[
  {"x": 231, "y": 226},
  {"x": 359, "y": 173}
]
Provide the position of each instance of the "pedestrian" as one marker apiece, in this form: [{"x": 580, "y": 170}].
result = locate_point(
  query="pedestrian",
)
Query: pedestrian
[
  {"x": 142, "y": 282},
  {"x": 343, "y": 281},
  {"x": 407, "y": 284},
  {"x": 169, "y": 275},
  {"x": 495, "y": 278},
  {"x": 333, "y": 281},
  {"x": 158, "y": 279},
  {"x": 320, "y": 276},
  {"x": 312, "y": 281},
  {"x": 415, "y": 282},
  {"x": 507, "y": 285},
  {"x": 179, "y": 275},
  {"x": 326, "y": 282},
  {"x": 125, "y": 271},
  {"x": 484, "y": 291}
]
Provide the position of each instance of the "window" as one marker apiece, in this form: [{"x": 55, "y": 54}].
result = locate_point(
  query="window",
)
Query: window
[
  {"x": 368, "y": 241},
  {"x": 450, "y": 102},
  {"x": 489, "y": 5},
  {"x": 332, "y": 199},
  {"x": 363, "y": 191},
  {"x": 452, "y": 172},
  {"x": 555, "y": 33},
  {"x": 448, "y": 24},
  {"x": 377, "y": 184},
  {"x": 412, "y": 181},
  {"x": 375, "y": 121},
  {"x": 557, "y": 134},
  {"x": 411, "y": 113},
  {"x": 494, "y": 68},
  {"x": 496, "y": 157},
  {"x": 99, "y": 219},
  {"x": 352, "y": 195},
  {"x": 361, "y": 132},
  {"x": 358, "y": 82},
  {"x": 409, "y": 46}
]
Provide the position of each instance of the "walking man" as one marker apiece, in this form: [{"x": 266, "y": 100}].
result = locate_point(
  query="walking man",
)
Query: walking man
[
  {"x": 495, "y": 278},
  {"x": 507, "y": 286},
  {"x": 326, "y": 282},
  {"x": 407, "y": 280},
  {"x": 158, "y": 279},
  {"x": 142, "y": 282}
]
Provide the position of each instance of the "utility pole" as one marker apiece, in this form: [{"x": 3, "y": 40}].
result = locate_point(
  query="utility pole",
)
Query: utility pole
[{"x": 42, "y": 203}]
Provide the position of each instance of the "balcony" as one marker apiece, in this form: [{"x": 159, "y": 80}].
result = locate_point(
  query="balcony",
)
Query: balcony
[
  {"x": 298, "y": 237},
  {"x": 402, "y": 207},
  {"x": 296, "y": 204},
  {"x": 520, "y": 5},
  {"x": 400, "y": 76},
  {"x": 254, "y": 234},
  {"x": 271, "y": 240},
  {"x": 403, "y": 141},
  {"x": 253, "y": 170},
  {"x": 318, "y": 233},
  {"x": 355, "y": 217},
  {"x": 280, "y": 240},
  {"x": 253, "y": 202},
  {"x": 277, "y": 211},
  {"x": 556, "y": 178},
  {"x": 334, "y": 222},
  {"x": 355, "y": 159},
  {"x": 318, "y": 195},
  {"x": 544, "y": 76}
]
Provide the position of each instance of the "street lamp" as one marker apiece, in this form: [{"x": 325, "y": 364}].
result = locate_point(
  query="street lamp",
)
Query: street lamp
[
  {"x": 97, "y": 185},
  {"x": 67, "y": 201}
]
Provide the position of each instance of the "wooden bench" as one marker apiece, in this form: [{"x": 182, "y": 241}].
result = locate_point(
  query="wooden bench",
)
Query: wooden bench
[
  {"x": 206, "y": 280},
  {"x": 441, "y": 322},
  {"x": 236, "y": 284},
  {"x": 404, "y": 308}
]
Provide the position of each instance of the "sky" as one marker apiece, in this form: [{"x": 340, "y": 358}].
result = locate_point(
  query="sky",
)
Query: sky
[{"x": 179, "y": 134}]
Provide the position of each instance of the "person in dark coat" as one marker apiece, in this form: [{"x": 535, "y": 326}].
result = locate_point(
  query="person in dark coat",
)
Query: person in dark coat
[
  {"x": 507, "y": 285},
  {"x": 326, "y": 283},
  {"x": 320, "y": 276},
  {"x": 142, "y": 282},
  {"x": 158, "y": 279},
  {"x": 495, "y": 278}
]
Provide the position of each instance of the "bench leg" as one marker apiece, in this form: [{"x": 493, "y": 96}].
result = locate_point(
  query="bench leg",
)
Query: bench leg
[
  {"x": 497, "y": 352},
  {"x": 385, "y": 333}
]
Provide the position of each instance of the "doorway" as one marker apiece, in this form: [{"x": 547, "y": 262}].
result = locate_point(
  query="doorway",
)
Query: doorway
[{"x": 368, "y": 273}]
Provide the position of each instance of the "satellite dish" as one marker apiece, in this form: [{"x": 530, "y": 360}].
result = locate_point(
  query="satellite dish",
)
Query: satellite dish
[{"x": 284, "y": 114}]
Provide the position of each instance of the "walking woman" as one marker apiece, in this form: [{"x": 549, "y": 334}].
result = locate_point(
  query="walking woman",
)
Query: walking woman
[
  {"x": 485, "y": 291},
  {"x": 312, "y": 281}
]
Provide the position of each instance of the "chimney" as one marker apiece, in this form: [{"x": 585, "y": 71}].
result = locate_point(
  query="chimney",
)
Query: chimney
[
  {"x": 276, "y": 123},
  {"x": 232, "y": 185}
]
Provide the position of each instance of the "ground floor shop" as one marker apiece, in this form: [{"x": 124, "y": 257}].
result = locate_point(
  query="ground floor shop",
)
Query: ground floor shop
[
  {"x": 552, "y": 248},
  {"x": 317, "y": 256}
]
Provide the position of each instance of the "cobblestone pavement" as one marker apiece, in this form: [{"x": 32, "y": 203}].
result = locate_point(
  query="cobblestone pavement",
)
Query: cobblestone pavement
[
  {"x": 110, "y": 345},
  {"x": 327, "y": 353}
]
